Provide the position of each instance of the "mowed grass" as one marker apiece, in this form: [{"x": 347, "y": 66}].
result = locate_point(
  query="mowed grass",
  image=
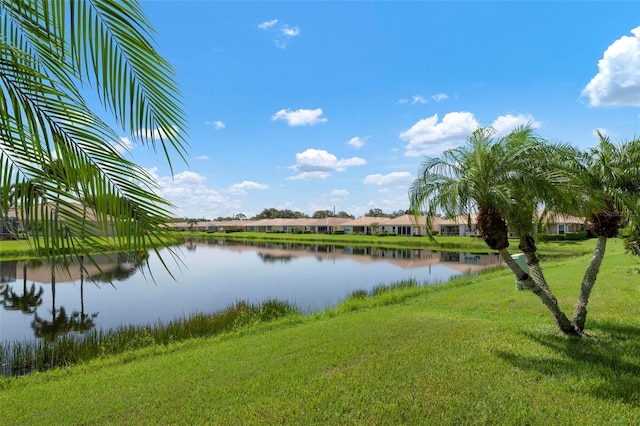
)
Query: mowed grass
[
  {"x": 475, "y": 351},
  {"x": 24, "y": 249}
]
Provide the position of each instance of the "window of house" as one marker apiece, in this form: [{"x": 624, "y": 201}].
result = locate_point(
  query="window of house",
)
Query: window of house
[{"x": 561, "y": 229}]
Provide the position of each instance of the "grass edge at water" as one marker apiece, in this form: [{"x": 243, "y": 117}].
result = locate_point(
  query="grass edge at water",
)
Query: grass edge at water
[{"x": 19, "y": 358}]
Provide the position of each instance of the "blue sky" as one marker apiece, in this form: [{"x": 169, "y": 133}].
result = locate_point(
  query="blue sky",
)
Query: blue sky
[{"x": 320, "y": 105}]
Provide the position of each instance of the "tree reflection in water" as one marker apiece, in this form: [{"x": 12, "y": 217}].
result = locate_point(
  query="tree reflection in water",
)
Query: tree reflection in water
[
  {"x": 61, "y": 323},
  {"x": 117, "y": 267},
  {"x": 274, "y": 258},
  {"x": 26, "y": 303}
]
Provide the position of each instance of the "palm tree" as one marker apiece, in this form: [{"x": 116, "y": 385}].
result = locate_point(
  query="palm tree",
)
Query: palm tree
[
  {"x": 539, "y": 182},
  {"x": 50, "y": 52},
  {"x": 479, "y": 178},
  {"x": 610, "y": 177}
]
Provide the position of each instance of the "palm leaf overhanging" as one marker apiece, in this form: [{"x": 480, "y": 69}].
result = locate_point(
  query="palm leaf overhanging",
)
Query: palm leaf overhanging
[{"x": 62, "y": 172}]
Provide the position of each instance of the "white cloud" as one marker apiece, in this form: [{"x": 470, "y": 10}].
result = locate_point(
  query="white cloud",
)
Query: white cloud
[
  {"x": 158, "y": 133},
  {"x": 618, "y": 80},
  {"x": 439, "y": 97},
  {"x": 203, "y": 157},
  {"x": 189, "y": 178},
  {"x": 339, "y": 193},
  {"x": 300, "y": 117},
  {"x": 506, "y": 123},
  {"x": 217, "y": 124},
  {"x": 356, "y": 142},
  {"x": 283, "y": 33},
  {"x": 415, "y": 99},
  {"x": 319, "y": 164},
  {"x": 124, "y": 145},
  {"x": 290, "y": 32},
  {"x": 394, "y": 178},
  {"x": 285, "y": 36},
  {"x": 267, "y": 24},
  {"x": 191, "y": 195},
  {"x": 428, "y": 137},
  {"x": 241, "y": 188},
  {"x": 310, "y": 175}
]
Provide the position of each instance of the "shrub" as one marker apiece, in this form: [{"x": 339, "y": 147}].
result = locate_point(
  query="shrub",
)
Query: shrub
[
  {"x": 552, "y": 237},
  {"x": 576, "y": 236}
]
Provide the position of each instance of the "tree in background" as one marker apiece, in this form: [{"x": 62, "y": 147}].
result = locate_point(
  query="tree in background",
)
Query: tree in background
[
  {"x": 345, "y": 215},
  {"x": 322, "y": 214},
  {"x": 273, "y": 213},
  {"x": 50, "y": 53},
  {"x": 376, "y": 213},
  {"x": 631, "y": 238}
]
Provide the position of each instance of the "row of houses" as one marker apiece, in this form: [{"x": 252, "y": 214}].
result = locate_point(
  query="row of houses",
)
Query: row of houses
[{"x": 368, "y": 225}]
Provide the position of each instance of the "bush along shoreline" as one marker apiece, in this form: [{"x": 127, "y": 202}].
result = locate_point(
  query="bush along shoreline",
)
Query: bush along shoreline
[{"x": 21, "y": 358}]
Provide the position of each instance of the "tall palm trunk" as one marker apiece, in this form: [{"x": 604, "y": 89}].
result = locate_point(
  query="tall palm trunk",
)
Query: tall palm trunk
[
  {"x": 579, "y": 317},
  {"x": 550, "y": 302}
]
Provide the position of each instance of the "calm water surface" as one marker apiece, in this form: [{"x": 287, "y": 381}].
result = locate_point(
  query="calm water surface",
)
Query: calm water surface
[{"x": 212, "y": 277}]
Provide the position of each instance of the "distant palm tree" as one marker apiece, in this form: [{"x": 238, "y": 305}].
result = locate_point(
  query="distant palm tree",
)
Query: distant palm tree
[
  {"x": 478, "y": 178},
  {"x": 609, "y": 175},
  {"x": 50, "y": 53}
]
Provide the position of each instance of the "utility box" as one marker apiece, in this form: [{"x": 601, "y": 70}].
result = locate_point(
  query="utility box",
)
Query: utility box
[{"x": 521, "y": 260}]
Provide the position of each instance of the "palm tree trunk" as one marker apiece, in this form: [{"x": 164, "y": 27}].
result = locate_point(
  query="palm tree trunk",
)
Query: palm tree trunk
[
  {"x": 550, "y": 302},
  {"x": 579, "y": 317},
  {"x": 528, "y": 247},
  {"x": 536, "y": 272}
]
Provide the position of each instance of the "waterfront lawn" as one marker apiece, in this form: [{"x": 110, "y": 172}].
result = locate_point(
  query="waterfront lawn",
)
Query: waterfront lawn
[
  {"x": 475, "y": 351},
  {"x": 23, "y": 249}
]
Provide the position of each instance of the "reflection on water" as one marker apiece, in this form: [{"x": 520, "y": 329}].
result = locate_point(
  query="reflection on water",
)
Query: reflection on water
[
  {"x": 215, "y": 274},
  {"x": 404, "y": 258}
]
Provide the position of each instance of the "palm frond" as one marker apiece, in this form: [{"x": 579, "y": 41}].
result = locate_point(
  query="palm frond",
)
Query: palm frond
[{"x": 56, "y": 154}]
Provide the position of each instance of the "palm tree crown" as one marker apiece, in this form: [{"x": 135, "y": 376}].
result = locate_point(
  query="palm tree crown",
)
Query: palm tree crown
[{"x": 488, "y": 176}]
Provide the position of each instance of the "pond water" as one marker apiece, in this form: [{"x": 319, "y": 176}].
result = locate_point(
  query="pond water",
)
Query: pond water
[{"x": 213, "y": 275}]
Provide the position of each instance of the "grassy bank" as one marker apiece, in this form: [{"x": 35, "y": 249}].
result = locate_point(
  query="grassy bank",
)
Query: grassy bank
[
  {"x": 23, "y": 249},
  {"x": 474, "y": 351}
]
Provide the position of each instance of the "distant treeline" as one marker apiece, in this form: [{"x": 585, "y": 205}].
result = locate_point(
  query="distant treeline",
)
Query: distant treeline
[{"x": 273, "y": 213}]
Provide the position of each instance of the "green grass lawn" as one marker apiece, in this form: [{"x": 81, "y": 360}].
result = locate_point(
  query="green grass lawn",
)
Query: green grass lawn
[
  {"x": 23, "y": 249},
  {"x": 475, "y": 351}
]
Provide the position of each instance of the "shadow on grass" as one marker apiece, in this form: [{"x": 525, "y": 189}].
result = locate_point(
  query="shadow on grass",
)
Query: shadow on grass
[{"x": 609, "y": 361}]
